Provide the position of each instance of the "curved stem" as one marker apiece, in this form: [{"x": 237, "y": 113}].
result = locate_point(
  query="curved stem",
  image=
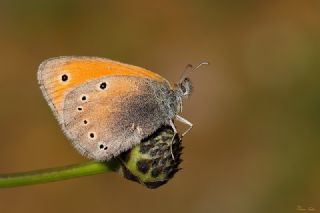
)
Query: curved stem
[{"x": 57, "y": 174}]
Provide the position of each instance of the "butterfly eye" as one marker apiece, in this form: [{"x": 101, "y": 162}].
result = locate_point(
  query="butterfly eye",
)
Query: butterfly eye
[
  {"x": 183, "y": 89},
  {"x": 79, "y": 109},
  {"x": 85, "y": 122}
]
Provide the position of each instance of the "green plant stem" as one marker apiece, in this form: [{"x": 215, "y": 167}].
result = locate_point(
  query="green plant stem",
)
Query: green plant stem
[{"x": 57, "y": 174}]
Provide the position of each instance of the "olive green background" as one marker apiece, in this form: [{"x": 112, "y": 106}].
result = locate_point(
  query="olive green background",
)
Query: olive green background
[{"x": 255, "y": 143}]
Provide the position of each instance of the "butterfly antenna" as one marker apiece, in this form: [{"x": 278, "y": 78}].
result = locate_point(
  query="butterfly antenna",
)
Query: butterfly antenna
[
  {"x": 189, "y": 69},
  {"x": 185, "y": 71}
]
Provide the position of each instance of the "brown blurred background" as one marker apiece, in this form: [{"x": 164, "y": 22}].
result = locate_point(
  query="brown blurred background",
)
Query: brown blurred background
[{"x": 255, "y": 143}]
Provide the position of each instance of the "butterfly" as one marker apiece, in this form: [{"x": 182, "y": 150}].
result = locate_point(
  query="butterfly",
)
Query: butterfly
[{"x": 106, "y": 107}]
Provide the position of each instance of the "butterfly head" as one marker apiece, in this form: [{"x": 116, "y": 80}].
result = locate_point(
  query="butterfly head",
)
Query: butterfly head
[{"x": 184, "y": 87}]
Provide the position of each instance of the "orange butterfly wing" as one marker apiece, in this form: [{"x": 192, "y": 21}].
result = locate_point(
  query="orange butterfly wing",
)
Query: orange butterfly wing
[{"x": 58, "y": 76}]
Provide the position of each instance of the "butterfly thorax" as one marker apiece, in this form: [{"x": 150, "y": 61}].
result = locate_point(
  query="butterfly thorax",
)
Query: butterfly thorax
[{"x": 168, "y": 98}]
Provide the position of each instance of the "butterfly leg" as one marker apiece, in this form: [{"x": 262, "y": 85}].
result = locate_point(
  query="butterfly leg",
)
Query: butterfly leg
[
  {"x": 185, "y": 121},
  {"x": 174, "y": 135}
]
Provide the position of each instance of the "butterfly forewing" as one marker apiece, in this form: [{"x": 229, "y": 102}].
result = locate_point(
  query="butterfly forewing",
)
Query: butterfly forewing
[{"x": 104, "y": 107}]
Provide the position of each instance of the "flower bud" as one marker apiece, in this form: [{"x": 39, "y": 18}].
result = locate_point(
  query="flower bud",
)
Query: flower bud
[{"x": 155, "y": 160}]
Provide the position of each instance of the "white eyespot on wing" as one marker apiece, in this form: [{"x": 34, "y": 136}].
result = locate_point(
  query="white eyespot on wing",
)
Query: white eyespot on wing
[
  {"x": 92, "y": 135},
  {"x": 101, "y": 86},
  {"x": 102, "y": 146},
  {"x": 64, "y": 78},
  {"x": 83, "y": 98},
  {"x": 85, "y": 122}
]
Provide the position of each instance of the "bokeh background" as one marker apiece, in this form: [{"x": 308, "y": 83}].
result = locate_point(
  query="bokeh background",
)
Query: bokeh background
[{"x": 255, "y": 143}]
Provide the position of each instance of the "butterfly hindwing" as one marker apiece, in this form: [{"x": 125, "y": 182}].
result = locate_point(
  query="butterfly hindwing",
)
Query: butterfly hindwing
[{"x": 106, "y": 116}]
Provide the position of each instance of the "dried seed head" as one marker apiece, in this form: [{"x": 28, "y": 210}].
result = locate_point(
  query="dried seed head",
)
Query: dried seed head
[{"x": 150, "y": 163}]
